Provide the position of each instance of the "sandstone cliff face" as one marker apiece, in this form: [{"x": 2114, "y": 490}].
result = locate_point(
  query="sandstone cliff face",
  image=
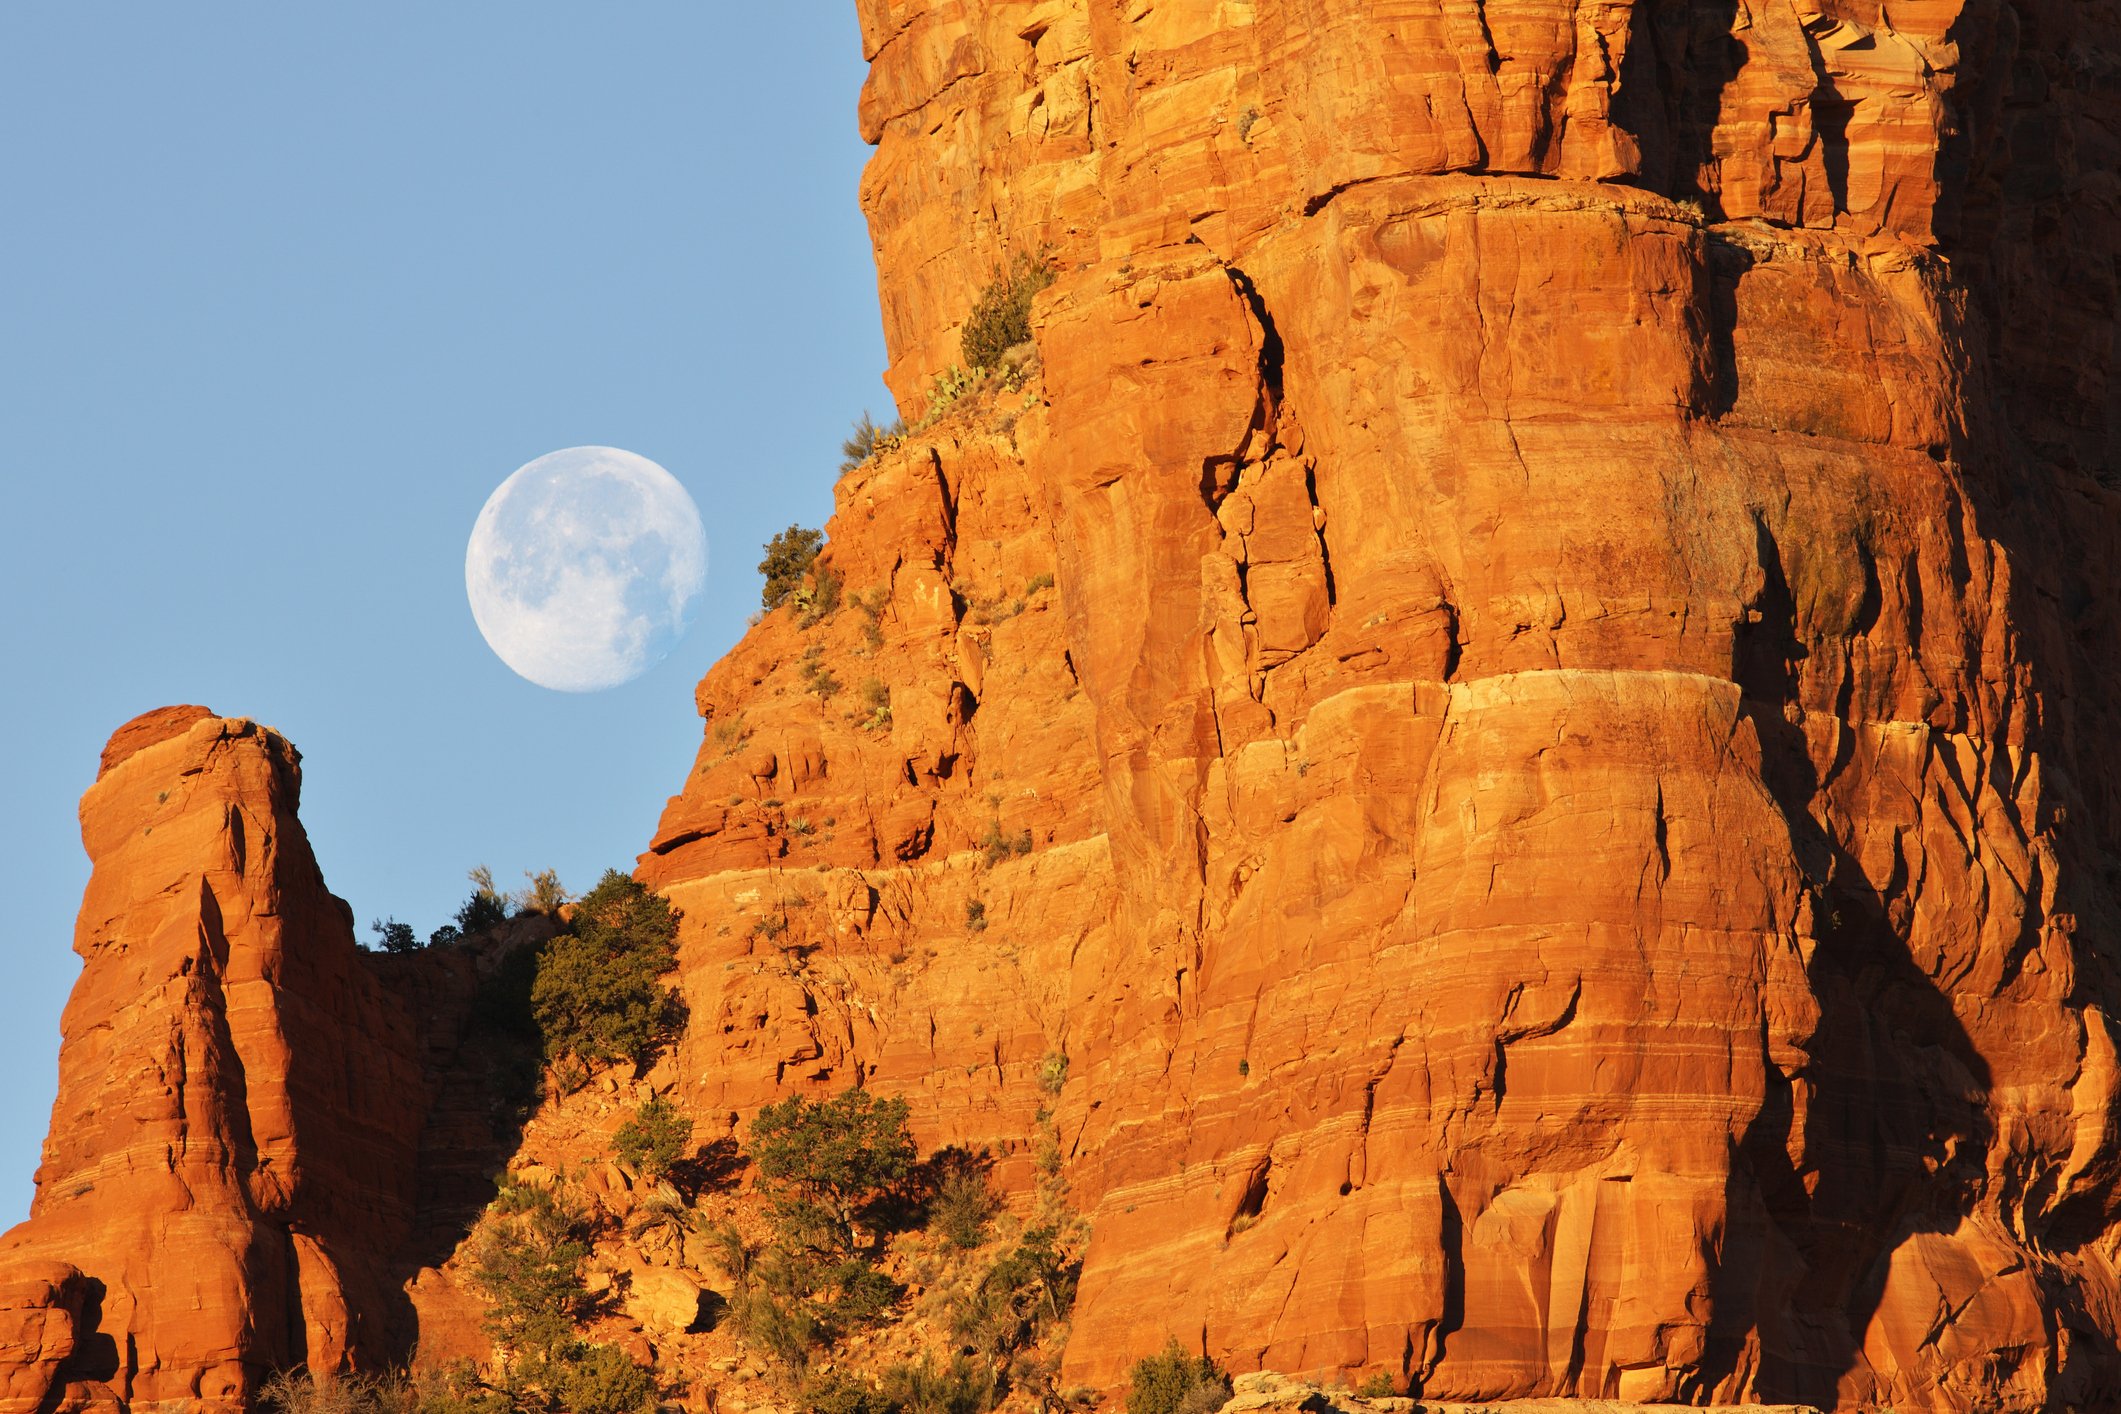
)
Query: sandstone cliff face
[
  {"x": 1571, "y": 827},
  {"x": 230, "y": 1168}
]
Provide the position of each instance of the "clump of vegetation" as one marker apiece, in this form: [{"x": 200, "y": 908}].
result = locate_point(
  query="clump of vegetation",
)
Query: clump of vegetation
[
  {"x": 544, "y": 893},
  {"x": 817, "y": 598},
  {"x": 976, "y": 915},
  {"x": 526, "y": 1260},
  {"x": 789, "y": 557},
  {"x": 1378, "y": 1385},
  {"x": 1000, "y": 846},
  {"x": 654, "y": 1139},
  {"x": 1027, "y": 1290},
  {"x": 597, "y": 995},
  {"x": 944, "y": 392},
  {"x": 876, "y": 696},
  {"x": 1173, "y": 1382},
  {"x": 1038, "y": 582},
  {"x": 833, "y": 1163},
  {"x": 964, "y": 1386},
  {"x": 817, "y": 678},
  {"x": 393, "y": 936},
  {"x": 731, "y": 735},
  {"x": 962, "y": 1207},
  {"x": 867, "y": 440},
  {"x": 1001, "y": 316},
  {"x": 833, "y": 1167},
  {"x": 1053, "y": 1072},
  {"x": 871, "y": 605}
]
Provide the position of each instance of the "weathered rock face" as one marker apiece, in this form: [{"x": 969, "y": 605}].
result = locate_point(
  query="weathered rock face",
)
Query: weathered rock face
[
  {"x": 230, "y": 1168},
  {"x": 1571, "y": 827}
]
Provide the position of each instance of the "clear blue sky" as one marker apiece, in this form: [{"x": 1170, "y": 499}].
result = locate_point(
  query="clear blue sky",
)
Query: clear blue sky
[{"x": 288, "y": 290}]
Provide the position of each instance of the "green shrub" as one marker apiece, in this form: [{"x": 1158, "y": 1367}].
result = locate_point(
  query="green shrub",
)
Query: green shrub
[
  {"x": 818, "y": 598},
  {"x": 962, "y": 1207},
  {"x": 655, "y": 1138},
  {"x": 526, "y": 1260},
  {"x": 868, "y": 440},
  {"x": 789, "y": 556},
  {"x": 727, "y": 1249},
  {"x": 944, "y": 391},
  {"x": 1029, "y": 1289},
  {"x": 545, "y": 893},
  {"x": 871, "y": 604},
  {"x": 839, "y": 1393},
  {"x": 1053, "y": 1072},
  {"x": 458, "y": 1390},
  {"x": 485, "y": 908},
  {"x": 854, "y": 1294},
  {"x": 597, "y": 997},
  {"x": 297, "y": 1392},
  {"x": 782, "y": 1326},
  {"x": 876, "y": 696},
  {"x": 1000, "y": 846},
  {"x": 598, "y": 1379},
  {"x": 1001, "y": 316},
  {"x": 818, "y": 678},
  {"x": 393, "y": 936},
  {"x": 964, "y": 1386},
  {"x": 1173, "y": 1382},
  {"x": 1378, "y": 1385},
  {"x": 833, "y": 1162},
  {"x": 976, "y": 915}
]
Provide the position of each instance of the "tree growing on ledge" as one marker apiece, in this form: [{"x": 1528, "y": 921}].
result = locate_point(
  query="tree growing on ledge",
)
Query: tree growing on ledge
[
  {"x": 789, "y": 556},
  {"x": 598, "y": 997},
  {"x": 832, "y": 1161}
]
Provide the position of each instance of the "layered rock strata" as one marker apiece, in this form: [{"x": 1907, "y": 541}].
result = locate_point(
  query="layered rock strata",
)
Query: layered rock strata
[{"x": 1553, "y": 829}]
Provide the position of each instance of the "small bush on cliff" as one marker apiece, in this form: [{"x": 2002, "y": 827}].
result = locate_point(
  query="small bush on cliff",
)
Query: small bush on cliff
[
  {"x": 789, "y": 556},
  {"x": 653, "y": 1140},
  {"x": 597, "y": 996},
  {"x": 1173, "y": 1382},
  {"x": 818, "y": 597},
  {"x": 393, "y": 936},
  {"x": 544, "y": 893},
  {"x": 1001, "y": 316},
  {"x": 869, "y": 439},
  {"x": 486, "y": 907}
]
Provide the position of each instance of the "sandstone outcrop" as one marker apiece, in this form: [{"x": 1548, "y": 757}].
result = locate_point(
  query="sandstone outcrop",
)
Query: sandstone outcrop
[
  {"x": 230, "y": 1168},
  {"x": 1554, "y": 822}
]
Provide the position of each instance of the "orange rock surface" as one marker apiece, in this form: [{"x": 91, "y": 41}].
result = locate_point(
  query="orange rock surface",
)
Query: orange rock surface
[{"x": 1570, "y": 815}]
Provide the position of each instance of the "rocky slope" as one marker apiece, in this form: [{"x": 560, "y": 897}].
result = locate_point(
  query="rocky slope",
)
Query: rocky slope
[{"x": 1570, "y": 831}]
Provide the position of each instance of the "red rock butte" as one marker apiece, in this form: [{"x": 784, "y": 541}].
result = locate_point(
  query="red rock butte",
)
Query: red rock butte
[{"x": 1525, "y": 698}]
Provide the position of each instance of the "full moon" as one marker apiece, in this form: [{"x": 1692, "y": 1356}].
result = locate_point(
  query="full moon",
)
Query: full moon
[{"x": 585, "y": 567}]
